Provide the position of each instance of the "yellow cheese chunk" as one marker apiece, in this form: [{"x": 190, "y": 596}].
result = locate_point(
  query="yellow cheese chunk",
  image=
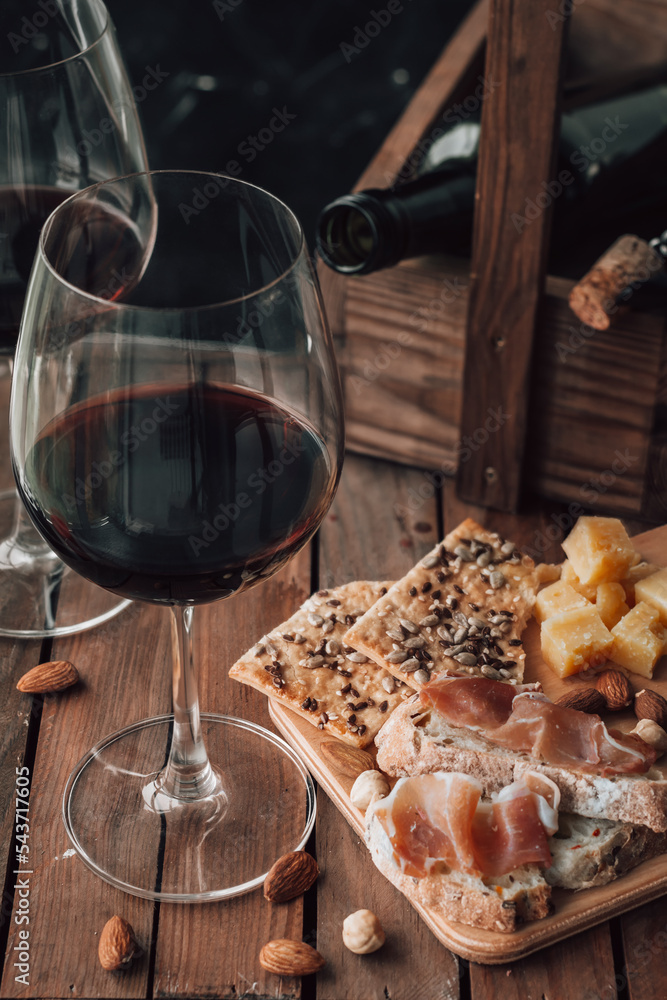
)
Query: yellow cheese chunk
[
  {"x": 639, "y": 640},
  {"x": 610, "y": 603},
  {"x": 599, "y": 550},
  {"x": 636, "y": 573},
  {"x": 587, "y": 590},
  {"x": 653, "y": 590},
  {"x": 574, "y": 640},
  {"x": 557, "y": 597}
]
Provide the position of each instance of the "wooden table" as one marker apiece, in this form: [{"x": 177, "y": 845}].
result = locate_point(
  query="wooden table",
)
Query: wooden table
[{"x": 384, "y": 517}]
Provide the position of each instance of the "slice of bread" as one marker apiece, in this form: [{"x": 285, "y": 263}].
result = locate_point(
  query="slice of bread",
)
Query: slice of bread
[
  {"x": 585, "y": 853},
  {"x": 589, "y": 852},
  {"x": 416, "y": 740},
  {"x": 497, "y": 904}
]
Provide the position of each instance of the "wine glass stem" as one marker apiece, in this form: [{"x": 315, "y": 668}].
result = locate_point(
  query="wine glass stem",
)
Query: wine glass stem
[{"x": 188, "y": 773}]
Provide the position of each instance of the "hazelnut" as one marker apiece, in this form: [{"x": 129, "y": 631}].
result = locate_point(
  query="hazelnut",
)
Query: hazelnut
[
  {"x": 369, "y": 784},
  {"x": 653, "y": 734},
  {"x": 362, "y": 932}
]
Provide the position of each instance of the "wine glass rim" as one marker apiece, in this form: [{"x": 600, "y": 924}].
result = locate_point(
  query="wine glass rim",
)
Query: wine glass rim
[
  {"x": 110, "y": 303},
  {"x": 47, "y": 67}
]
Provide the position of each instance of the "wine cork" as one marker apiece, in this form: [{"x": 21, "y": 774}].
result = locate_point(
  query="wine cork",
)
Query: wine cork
[{"x": 629, "y": 261}]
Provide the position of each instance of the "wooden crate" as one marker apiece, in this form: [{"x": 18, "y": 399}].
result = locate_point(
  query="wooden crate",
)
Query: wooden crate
[{"x": 479, "y": 369}]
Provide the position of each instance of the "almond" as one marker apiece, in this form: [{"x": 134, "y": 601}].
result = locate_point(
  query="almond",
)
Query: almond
[
  {"x": 616, "y": 689},
  {"x": 52, "y": 676},
  {"x": 117, "y": 945},
  {"x": 348, "y": 760},
  {"x": 583, "y": 700},
  {"x": 285, "y": 957},
  {"x": 651, "y": 705},
  {"x": 290, "y": 876}
]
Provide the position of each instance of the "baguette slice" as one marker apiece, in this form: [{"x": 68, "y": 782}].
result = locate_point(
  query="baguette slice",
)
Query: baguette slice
[
  {"x": 499, "y": 904},
  {"x": 590, "y": 852},
  {"x": 586, "y": 853},
  {"x": 416, "y": 740}
]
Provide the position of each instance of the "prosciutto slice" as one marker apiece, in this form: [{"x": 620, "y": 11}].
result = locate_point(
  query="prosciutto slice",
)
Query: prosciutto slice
[
  {"x": 527, "y": 721},
  {"x": 436, "y": 823}
]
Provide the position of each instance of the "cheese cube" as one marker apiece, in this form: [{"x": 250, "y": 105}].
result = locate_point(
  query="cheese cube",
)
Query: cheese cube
[
  {"x": 636, "y": 573},
  {"x": 653, "y": 590},
  {"x": 574, "y": 640},
  {"x": 599, "y": 550},
  {"x": 610, "y": 603},
  {"x": 639, "y": 640},
  {"x": 587, "y": 590},
  {"x": 557, "y": 597}
]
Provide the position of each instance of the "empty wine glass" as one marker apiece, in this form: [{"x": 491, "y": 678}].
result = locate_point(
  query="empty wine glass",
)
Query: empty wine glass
[
  {"x": 67, "y": 120},
  {"x": 178, "y": 445}
]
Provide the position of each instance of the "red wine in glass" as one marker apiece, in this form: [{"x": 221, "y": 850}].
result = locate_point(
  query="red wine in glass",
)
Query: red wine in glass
[{"x": 186, "y": 493}]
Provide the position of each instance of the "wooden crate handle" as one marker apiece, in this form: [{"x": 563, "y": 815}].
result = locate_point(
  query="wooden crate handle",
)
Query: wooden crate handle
[{"x": 520, "y": 128}]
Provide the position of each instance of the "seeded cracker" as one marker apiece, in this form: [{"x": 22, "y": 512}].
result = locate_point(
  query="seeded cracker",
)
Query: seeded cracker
[
  {"x": 461, "y": 610},
  {"x": 304, "y": 664}
]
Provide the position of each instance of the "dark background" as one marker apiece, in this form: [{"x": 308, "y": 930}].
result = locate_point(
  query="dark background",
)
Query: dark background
[{"x": 230, "y": 67}]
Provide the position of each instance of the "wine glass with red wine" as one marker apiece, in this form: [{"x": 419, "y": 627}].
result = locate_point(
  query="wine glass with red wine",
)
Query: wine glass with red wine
[
  {"x": 67, "y": 120},
  {"x": 178, "y": 445}
]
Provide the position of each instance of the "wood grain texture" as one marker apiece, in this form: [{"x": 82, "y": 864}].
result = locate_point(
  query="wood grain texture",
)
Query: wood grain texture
[
  {"x": 188, "y": 961},
  {"x": 120, "y": 683},
  {"x": 517, "y": 151},
  {"x": 644, "y": 932},
  {"x": 378, "y": 527},
  {"x": 581, "y": 968}
]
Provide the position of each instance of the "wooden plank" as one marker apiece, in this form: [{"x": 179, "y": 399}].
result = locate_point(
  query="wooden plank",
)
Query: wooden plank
[
  {"x": 644, "y": 932},
  {"x": 188, "y": 963},
  {"x": 378, "y": 528},
  {"x": 122, "y": 665},
  {"x": 520, "y": 126},
  {"x": 19, "y": 714},
  {"x": 582, "y": 967}
]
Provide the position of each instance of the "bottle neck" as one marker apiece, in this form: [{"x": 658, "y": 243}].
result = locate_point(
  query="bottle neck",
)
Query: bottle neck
[{"x": 374, "y": 229}]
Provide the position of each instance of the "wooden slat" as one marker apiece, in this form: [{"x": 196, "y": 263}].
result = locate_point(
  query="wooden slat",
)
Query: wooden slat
[
  {"x": 123, "y": 679},
  {"x": 16, "y": 710},
  {"x": 644, "y": 972},
  {"x": 378, "y": 528},
  {"x": 581, "y": 967},
  {"x": 212, "y": 950},
  {"x": 519, "y": 131}
]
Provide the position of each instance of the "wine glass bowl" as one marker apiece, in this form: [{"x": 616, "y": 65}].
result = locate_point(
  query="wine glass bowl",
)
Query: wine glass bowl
[
  {"x": 68, "y": 119},
  {"x": 176, "y": 443}
]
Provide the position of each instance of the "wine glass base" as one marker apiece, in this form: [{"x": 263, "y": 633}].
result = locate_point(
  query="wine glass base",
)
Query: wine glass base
[
  {"x": 185, "y": 852},
  {"x": 37, "y": 589}
]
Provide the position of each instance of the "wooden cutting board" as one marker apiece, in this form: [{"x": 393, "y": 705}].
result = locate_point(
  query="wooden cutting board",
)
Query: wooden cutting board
[{"x": 574, "y": 911}]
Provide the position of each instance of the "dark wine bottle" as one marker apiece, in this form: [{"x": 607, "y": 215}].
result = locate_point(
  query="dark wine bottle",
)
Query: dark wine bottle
[{"x": 611, "y": 165}]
